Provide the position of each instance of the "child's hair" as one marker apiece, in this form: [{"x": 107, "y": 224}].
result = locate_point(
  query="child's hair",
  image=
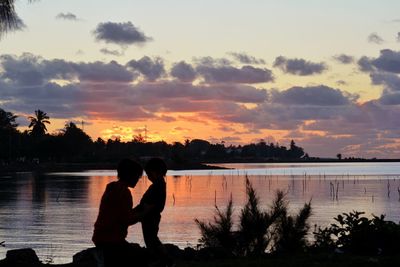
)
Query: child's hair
[
  {"x": 156, "y": 165},
  {"x": 128, "y": 169}
]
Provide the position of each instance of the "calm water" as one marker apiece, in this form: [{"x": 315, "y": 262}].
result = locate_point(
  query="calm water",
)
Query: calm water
[{"x": 54, "y": 213}]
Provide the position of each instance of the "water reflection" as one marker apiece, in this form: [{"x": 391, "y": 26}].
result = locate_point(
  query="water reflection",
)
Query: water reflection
[{"x": 54, "y": 214}]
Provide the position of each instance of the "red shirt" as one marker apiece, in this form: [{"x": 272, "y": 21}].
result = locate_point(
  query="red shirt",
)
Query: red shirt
[{"x": 115, "y": 215}]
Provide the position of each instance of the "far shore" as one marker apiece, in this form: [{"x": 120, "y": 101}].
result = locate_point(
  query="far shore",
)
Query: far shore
[{"x": 85, "y": 166}]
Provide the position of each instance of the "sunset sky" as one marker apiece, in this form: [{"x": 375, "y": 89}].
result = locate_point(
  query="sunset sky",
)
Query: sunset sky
[{"x": 324, "y": 73}]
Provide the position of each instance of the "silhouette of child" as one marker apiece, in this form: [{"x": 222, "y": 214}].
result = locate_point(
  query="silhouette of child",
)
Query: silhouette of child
[
  {"x": 152, "y": 204},
  {"x": 116, "y": 215}
]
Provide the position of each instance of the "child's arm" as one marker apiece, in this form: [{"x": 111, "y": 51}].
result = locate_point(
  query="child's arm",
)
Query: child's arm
[{"x": 141, "y": 211}]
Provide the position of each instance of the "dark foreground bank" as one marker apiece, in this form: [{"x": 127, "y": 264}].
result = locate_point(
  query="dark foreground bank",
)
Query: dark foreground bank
[{"x": 211, "y": 258}]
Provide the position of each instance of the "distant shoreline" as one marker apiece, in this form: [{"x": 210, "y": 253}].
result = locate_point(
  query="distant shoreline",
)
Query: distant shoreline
[{"x": 74, "y": 167}]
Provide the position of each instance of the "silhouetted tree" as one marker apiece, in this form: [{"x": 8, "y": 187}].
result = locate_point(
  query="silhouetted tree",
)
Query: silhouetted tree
[
  {"x": 38, "y": 123},
  {"x": 8, "y": 135},
  {"x": 75, "y": 141},
  {"x": 339, "y": 156},
  {"x": 295, "y": 151}
]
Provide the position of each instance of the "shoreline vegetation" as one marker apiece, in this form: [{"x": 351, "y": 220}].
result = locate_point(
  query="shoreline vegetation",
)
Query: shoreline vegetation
[{"x": 72, "y": 149}]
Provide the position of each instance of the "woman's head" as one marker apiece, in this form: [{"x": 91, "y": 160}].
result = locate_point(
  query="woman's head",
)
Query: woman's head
[{"x": 129, "y": 171}]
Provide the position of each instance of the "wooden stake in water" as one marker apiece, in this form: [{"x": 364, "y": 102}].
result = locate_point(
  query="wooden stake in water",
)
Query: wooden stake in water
[
  {"x": 398, "y": 190},
  {"x": 173, "y": 199}
]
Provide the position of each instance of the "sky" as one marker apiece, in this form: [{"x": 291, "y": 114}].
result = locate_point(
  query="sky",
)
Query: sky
[{"x": 324, "y": 73}]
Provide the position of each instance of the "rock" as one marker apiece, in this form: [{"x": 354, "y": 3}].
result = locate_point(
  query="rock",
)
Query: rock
[
  {"x": 189, "y": 253},
  {"x": 25, "y": 256},
  {"x": 88, "y": 257},
  {"x": 173, "y": 251}
]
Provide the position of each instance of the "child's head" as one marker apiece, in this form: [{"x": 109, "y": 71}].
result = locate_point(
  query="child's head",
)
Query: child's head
[
  {"x": 129, "y": 171},
  {"x": 155, "y": 169}
]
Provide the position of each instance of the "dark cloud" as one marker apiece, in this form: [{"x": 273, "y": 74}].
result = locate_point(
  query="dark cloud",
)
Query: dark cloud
[
  {"x": 101, "y": 90},
  {"x": 313, "y": 96},
  {"x": 344, "y": 59},
  {"x": 183, "y": 71},
  {"x": 103, "y": 72},
  {"x": 388, "y": 61},
  {"x": 390, "y": 80},
  {"x": 384, "y": 70},
  {"x": 124, "y": 33},
  {"x": 364, "y": 64},
  {"x": 210, "y": 61},
  {"x": 107, "y": 51},
  {"x": 390, "y": 98},
  {"x": 375, "y": 38},
  {"x": 246, "y": 59},
  {"x": 299, "y": 66},
  {"x": 152, "y": 69},
  {"x": 230, "y": 74},
  {"x": 30, "y": 70},
  {"x": 67, "y": 16}
]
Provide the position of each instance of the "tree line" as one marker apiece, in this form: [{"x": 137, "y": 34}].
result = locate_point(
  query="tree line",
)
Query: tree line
[{"x": 72, "y": 144}]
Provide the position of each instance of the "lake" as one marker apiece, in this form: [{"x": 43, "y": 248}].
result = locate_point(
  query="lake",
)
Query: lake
[{"x": 54, "y": 213}]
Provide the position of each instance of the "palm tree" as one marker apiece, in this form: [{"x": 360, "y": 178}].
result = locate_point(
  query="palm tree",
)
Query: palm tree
[
  {"x": 9, "y": 19},
  {"x": 38, "y": 123},
  {"x": 7, "y": 120}
]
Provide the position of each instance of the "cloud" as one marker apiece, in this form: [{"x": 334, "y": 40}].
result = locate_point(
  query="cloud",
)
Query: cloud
[
  {"x": 313, "y": 96},
  {"x": 364, "y": 64},
  {"x": 31, "y": 70},
  {"x": 210, "y": 61},
  {"x": 384, "y": 70},
  {"x": 390, "y": 80},
  {"x": 246, "y": 59},
  {"x": 323, "y": 118},
  {"x": 230, "y": 74},
  {"x": 107, "y": 51},
  {"x": 375, "y": 38},
  {"x": 123, "y": 34},
  {"x": 344, "y": 59},
  {"x": 299, "y": 66},
  {"x": 67, "y": 16},
  {"x": 390, "y": 98},
  {"x": 398, "y": 37},
  {"x": 388, "y": 61},
  {"x": 183, "y": 71},
  {"x": 103, "y": 72},
  {"x": 341, "y": 82},
  {"x": 152, "y": 69}
]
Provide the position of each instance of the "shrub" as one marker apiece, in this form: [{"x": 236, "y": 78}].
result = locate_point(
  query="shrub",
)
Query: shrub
[
  {"x": 357, "y": 234},
  {"x": 255, "y": 233},
  {"x": 257, "y": 229},
  {"x": 291, "y": 232},
  {"x": 218, "y": 234}
]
